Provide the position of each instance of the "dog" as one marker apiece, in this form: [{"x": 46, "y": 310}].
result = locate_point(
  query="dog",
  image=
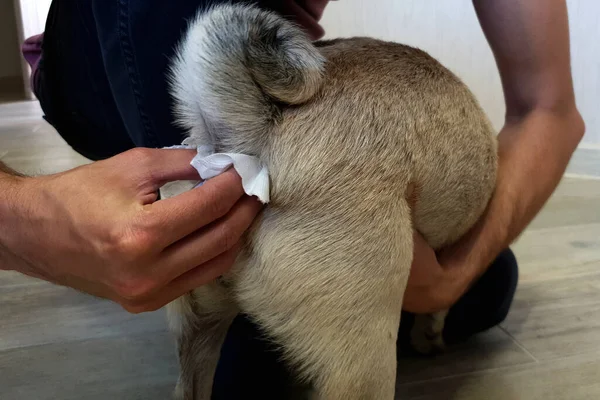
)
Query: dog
[{"x": 365, "y": 141}]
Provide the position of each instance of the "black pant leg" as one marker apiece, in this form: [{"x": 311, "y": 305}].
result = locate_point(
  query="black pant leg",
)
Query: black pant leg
[
  {"x": 72, "y": 86},
  {"x": 487, "y": 303}
]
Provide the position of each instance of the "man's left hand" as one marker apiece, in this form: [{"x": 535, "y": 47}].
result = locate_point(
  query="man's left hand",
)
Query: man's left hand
[{"x": 436, "y": 282}]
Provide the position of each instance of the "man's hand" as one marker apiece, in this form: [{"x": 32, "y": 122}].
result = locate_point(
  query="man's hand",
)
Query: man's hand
[
  {"x": 98, "y": 228},
  {"x": 305, "y": 13},
  {"x": 436, "y": 282}
]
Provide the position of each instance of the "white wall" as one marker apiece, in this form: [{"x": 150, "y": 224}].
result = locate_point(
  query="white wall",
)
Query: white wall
[
  {"x": 584, "y": 20},
  {"x": 10, "y": 62},
  {"x": 449, "y": 31},
  {"x": 31, "y": 20},
  {"x": 33, "y": 15}
]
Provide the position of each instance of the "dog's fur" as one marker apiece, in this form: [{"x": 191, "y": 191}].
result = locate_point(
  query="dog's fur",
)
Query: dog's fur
[{"x": 364, "y": 140}]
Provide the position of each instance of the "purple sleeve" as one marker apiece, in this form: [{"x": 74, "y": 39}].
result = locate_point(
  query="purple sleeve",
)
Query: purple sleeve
[{"x": 32, "y": 52}]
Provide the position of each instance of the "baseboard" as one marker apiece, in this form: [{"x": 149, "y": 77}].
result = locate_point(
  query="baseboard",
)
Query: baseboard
[
  {"x": 11, "y": 88},
  {"x": 585, "y": 162}
]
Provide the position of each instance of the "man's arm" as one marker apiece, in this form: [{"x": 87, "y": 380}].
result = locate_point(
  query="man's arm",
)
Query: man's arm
[
  {"x": 530, "y": 42},
  {"x": 98, "y": 228}
]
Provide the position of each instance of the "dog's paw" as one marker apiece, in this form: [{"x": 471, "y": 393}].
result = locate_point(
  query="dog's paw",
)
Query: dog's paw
[{"x": 426, "y": 336}]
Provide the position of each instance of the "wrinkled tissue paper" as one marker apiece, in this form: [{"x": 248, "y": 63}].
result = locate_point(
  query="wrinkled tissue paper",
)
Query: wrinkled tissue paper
[{"x": 254, "y": 173}]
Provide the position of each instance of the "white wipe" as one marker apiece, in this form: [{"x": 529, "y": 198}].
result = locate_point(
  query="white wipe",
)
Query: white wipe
[{"x": 254, "y": 173}]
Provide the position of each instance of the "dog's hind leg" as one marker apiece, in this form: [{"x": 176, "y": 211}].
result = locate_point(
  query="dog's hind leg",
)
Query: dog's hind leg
[
  {"x": 201, "y": 320},
  {"x": 333, "y": 300},
  {"x": 427, "y": 333}
]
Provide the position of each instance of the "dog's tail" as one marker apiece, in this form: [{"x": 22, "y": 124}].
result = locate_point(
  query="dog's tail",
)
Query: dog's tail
[{"x": 235, "y": 68}]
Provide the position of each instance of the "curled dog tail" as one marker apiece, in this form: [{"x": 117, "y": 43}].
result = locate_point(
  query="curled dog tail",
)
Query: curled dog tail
[{"x": 235, "y": 68}]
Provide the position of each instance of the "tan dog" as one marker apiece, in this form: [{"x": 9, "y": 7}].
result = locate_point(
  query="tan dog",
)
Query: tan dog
[{"x": 345, "y": 127}]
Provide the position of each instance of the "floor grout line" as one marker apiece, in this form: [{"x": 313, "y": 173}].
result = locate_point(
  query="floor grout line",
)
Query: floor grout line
[
  {"x": 519, "y": 344},
  {"x": 492, "y": 370},
  {"x": 469, "y": 373},
  {"x": 107, "y": 337}
]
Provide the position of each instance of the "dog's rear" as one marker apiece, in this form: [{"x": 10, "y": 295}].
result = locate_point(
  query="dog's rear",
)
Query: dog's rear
[{"x": 346, "y": 127}]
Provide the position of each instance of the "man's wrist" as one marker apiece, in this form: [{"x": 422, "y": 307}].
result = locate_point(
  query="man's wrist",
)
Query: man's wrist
[{"x": 471, "y": 255}]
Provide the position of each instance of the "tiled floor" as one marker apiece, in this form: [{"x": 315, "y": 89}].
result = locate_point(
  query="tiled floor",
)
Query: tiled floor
[{"x": 56, "y": 343}]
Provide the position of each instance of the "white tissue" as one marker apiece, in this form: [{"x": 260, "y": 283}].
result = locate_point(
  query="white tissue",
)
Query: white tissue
[{"x": 254, "y": 173}]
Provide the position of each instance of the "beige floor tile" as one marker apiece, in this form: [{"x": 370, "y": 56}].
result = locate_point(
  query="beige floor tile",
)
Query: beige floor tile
[
  {"x": 35, "y": 314},
  {"x": 131, "y": 367},
  {"x": 489, "y": 350},
  {"x": 574, "y": 378}
]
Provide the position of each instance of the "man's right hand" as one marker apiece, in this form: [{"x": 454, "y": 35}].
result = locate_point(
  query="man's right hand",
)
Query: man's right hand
[{"x": 98, "y": 228}]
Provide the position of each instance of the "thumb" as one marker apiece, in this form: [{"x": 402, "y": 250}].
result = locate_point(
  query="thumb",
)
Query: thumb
[{"x": 163, "y": 165}]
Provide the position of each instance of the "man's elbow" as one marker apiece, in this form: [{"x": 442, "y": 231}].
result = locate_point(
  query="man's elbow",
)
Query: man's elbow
[
  {"x": 562, "y": 109},
  {"x": 572, "y": 123},
  {"x": 579, "y": 126},
  {"x": 573, "y": 120}
]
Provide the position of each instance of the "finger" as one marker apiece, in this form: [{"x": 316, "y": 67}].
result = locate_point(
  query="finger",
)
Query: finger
[
  {"x": 164, "y": 165},
  {"x": 314, "y": 7},
  {"x": 187, "y": 282},
  {"x": 307, "y": 17},
  {"x": 204, "y": 245},
  {"x": 184, "y": 214}
]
